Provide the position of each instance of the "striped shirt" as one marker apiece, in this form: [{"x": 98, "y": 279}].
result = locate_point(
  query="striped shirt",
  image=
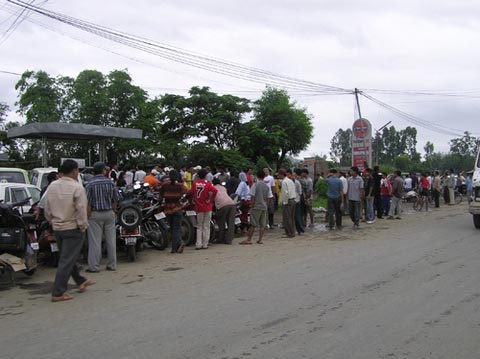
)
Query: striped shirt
[{"x": 101, "y": 193}]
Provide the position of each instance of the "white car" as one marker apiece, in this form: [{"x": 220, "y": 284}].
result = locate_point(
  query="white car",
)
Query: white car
[{"x": 18, "y": 192}]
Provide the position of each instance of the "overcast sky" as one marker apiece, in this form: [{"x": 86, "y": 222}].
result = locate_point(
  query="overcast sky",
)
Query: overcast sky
[{"x": 394, "y": 45}]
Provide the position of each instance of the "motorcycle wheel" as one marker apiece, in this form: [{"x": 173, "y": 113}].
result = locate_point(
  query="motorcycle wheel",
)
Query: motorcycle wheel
[
  {"x": 188, "y": 231},
  {"x": 130, "y": 217},
  {"x": 131, "y": 253},
  {"x": 158, "y": 238},
  {"x": 213, "y": 233}
]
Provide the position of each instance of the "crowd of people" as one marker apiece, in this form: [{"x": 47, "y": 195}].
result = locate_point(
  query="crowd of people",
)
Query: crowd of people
[
  {"x": 369, "y": 193},
  {"x": 77, "y": 211}
]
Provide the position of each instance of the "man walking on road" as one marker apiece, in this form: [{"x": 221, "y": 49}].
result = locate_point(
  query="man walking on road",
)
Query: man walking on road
[
  {"x": 287, "y": 198},
  {"x": 335, "y": 199},
  {"x": 66, "y": 210},
  {"x": 354, "y": 196},
  {"x": 102, "y": 198},
  {"x": 397, "y": 192}
]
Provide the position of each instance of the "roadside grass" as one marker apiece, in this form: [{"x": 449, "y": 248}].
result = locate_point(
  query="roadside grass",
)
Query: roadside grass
[{"x": 319, "y": 202}]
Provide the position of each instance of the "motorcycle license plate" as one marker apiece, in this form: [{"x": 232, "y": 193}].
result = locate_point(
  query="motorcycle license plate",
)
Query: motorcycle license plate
[
  {"x": 191, "y": 213},
  {"x": 35, "y": 246},
  {"x": 159, "y": 216},
  {"x": 54, "y": 247},
  {"x": 237, "y": 221},
  {"x": 130, "y": 240}
]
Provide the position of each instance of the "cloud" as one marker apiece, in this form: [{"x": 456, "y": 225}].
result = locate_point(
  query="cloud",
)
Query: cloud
[{"x": 402, "y": 45}]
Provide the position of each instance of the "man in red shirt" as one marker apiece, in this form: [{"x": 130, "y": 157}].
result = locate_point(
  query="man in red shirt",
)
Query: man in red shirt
[{"x": 204, "y": 194}]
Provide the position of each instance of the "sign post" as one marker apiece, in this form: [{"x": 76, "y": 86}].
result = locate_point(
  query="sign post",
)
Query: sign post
[{"x": 361, "y": 143}]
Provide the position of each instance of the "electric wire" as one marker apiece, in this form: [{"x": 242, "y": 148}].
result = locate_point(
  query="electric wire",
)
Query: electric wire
[
  {"x": 185, "y": 57},
  {"x": 413, "y": 119}
]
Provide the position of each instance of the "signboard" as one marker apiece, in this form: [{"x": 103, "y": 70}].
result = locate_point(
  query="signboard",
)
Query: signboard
[
  {"x": 361, "y": 143},
  {"x": 80, "y": 161}
]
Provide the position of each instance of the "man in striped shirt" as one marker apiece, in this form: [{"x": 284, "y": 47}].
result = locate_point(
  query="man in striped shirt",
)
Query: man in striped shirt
[{"x": 102, "y": 198}]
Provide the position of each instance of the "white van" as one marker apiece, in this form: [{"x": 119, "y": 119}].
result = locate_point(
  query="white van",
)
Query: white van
[{"x": 38, "y": 176}]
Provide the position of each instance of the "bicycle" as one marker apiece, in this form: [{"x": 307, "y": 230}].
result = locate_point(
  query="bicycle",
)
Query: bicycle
[
  {"x": 458, "y": 196},
  {"x": 423, "y": 199}
]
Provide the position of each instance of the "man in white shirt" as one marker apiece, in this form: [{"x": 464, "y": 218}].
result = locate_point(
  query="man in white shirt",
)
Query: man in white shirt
[
  {"x": 139, "y": 174},
  {"x": 270, "y": 182}
]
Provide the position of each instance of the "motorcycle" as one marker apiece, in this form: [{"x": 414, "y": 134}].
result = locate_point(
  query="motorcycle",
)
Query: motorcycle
[
  {"x": 410, "y": 197},
  {"x": 140, "y": 220},
  {"x": 44, "y": 234},
  {"x": 18, "y": 241}
]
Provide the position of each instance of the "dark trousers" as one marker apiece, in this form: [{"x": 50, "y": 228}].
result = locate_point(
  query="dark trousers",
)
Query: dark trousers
[
  {"x": 334, "y": 210},
  {"x": 446, "y": 195},
  {"x": 70, "y": 245},
  {"x": 299, "y": 218},
  {"x": 175, "y": 221},
  {"x": 288, "y": 217},
  {"x": 436, "y": 197},
  {"x": 385, "y": 205},
  {"x": 226, "y": 215},
  {"x": 354, "y": 210},
  {"x": 271, "y": 211},
  {"x": 378, "y": 205}
]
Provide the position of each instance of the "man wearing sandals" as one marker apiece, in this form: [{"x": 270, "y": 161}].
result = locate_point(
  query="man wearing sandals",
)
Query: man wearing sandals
[
  {"x": 66, "y": 210},
  {"x": 259, "y": 202}
]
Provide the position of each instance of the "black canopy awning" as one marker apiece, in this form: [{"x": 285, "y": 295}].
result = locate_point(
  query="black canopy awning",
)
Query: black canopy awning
[{"x": 72, "y": 131}]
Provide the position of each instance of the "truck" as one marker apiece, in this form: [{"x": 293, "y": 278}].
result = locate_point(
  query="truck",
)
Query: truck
[{"x": 474, "y": 207}]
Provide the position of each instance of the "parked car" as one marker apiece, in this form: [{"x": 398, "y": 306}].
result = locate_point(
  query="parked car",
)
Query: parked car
[
  {"x": 13, "y": 175},
  {"x": 18, "y": 192}
]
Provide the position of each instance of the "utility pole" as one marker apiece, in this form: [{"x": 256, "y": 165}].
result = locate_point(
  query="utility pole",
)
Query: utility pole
[{"x": 357, "y": 91}]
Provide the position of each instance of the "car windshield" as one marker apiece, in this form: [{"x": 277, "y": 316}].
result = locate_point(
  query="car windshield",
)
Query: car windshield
[
  {"x": 35, "y": 194},
  {"x": 12, "y": 177}
]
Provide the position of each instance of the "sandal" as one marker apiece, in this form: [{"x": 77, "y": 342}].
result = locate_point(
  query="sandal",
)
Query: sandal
[
  {"x": 245, "y": 242},
  {"x": 259, "y": 242},
  {"x": 83, "y": 287},
  {"x": 62, "y": 298}
]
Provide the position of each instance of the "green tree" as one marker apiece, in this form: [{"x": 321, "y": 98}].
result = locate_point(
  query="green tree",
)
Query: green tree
[
  {"x": 341, "y": 147},
  {"x": 429, "y": 149},
  {"x": 465, "y": 146},
  {"x": 3, "y": 112},
  {"x": 91, "y": 98},
  {"x": 216, "y": 117},
  {"x": 290, "y": 127},
  {"x": 39, "y": 97},
  {"x": 408, "y": 139}
]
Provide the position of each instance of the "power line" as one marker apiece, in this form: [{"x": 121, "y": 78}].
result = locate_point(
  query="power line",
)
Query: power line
[
  {"x": 186, "y": 57},
  {"x": 413, "y": 119},
  {"x": 10, "y": 73}
]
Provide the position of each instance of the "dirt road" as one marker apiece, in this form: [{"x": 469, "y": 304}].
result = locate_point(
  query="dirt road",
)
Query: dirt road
[{"x": 405, "y": 288}]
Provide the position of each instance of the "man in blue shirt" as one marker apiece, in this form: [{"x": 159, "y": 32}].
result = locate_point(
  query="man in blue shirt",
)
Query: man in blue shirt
[
  {"x": 102, "y": 198},
  {"x": 335, "y": 199}
]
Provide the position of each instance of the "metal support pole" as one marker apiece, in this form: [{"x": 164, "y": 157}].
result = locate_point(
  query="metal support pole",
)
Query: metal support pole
[
  {"x": 44, "y": 152},
  {"x": 102, "y": 150},
  {"x": 377, "y": 139}
]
